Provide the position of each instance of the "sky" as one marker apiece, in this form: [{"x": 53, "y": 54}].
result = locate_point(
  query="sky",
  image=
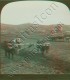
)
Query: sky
[{"x": 36, "y": 12}]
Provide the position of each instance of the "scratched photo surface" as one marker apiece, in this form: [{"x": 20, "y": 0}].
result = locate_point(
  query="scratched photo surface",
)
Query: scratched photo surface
[{"x": 35, "y": 38}]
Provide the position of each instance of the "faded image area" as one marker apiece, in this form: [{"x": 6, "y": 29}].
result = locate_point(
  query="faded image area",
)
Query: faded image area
[{"x": 35, "y": 38}]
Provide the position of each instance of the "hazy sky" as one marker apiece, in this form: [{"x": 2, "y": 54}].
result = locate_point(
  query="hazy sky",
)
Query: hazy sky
[{"x": 37, "y": 12}]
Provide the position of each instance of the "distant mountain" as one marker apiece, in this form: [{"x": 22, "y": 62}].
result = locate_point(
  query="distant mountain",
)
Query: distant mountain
[{"x": 12, "y": 31}]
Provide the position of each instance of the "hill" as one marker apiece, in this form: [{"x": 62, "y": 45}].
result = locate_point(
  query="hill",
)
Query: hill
[{"x": 11, "y": 31}]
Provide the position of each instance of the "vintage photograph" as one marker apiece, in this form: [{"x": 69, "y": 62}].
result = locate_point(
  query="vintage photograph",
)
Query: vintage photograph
[{"x": 35, "y": 38}]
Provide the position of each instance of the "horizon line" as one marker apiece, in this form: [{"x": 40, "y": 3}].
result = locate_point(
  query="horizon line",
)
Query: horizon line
[{"x": 30, "y": 23}]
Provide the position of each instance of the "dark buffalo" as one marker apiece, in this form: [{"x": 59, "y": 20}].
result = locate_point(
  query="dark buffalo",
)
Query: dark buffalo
[
  {"x": 43, "y": 47},
  {"x": 9, "y": 49}
]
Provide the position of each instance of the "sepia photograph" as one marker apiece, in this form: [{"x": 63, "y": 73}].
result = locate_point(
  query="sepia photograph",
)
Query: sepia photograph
[{"x": 35, "y": 38}]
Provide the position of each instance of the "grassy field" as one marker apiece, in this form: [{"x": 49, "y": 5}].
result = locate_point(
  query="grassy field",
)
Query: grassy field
[{"x": 29, "y": 61}]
